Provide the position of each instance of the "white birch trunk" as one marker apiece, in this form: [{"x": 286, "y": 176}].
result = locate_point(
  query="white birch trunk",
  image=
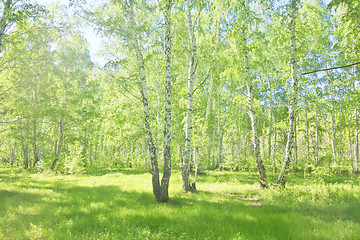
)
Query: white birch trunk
[
  {"x": 356, "y": 145},
  {"x": 316, "y": 135},
  {"x": 144, "y": 94},
  {"x": 167, "y": 127},
  {"x": 185, "y": 168},
  {"x": 294, "y": 95},
  {"x": 340, "y": 135},
  {"x": 252, "y": 113},
  {"x": 349, "y": 131}
]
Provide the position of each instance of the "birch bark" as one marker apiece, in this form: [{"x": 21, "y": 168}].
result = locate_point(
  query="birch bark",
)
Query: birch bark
[
  {"x": 167, "y": 127},
  {"x": 316, "y": 135},
  {"x": 356, "y": 145},
  {"x": 349, "y": 130},
  {"x": 185, "y": 167},
  {"x": 294, "y": 95},
  {"x": 160, "y": 191},
  {"x": 252, "y": 112}
]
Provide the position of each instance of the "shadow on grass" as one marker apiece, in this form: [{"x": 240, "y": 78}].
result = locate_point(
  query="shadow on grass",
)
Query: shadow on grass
[{"x": 52, "y": 210}]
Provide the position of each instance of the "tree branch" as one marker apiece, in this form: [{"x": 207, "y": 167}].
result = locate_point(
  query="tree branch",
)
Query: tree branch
[
  {"x": 13, "y": 121},
  {"x": 124, "y": 87},
  {"x": 328, "y": 69},
  {"x": 6, "y": 90},
  {"x": 206, "y": 78},
  {"x": 197, "y": 17}
]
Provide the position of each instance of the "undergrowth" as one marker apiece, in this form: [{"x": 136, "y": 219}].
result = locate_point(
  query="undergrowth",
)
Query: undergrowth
[{"x": 118, "y": 204}]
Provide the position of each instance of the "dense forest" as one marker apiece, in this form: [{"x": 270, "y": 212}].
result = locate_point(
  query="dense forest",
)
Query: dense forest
[{"x": 259, "y": 86}]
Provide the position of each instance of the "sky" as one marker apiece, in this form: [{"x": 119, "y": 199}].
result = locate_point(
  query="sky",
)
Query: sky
[{"x": 94, "y": 41}]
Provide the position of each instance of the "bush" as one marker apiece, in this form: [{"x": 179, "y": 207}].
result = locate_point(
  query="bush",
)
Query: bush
[{"x": 75, "y": 160}]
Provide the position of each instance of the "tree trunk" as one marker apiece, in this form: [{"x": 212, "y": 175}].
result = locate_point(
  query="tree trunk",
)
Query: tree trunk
[
  {"x": 316, "y": 135},
  {"x": 219, "y": 135},
  {"x": 295, "y": 139},
  {"x": 331, "y": 137},
  {"x": 294, "y": 95},
  {"x": 252, "y": 111},
  {"x": 307, "y": 137},
  {"x": 349, "y": 131},
  {"x": 213, "y": 147},
  {"x": 24, "y": 146},
  {"x": 340, "y": 136},
  {"x": 167, "y": 127},
  {"x": 59, "y": 145},
  {"x": 333, "y": 141},
  {"x": 185, "y": 168},
  {"x": 263, "y": 140},
  {"x": 144, "y": 94},
  {"x": 272, "y": 120},
  {"x": 273, "y": 152},
  {"x": 35, "y": 148},
  {"x": 356, "y": 145}
]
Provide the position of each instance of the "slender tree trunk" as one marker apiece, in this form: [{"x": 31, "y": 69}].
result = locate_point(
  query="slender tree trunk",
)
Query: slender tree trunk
[
  {"x": 213, "y": 147},
  {"x": 307, "y": 136},
  {"x": 35, "y": 147},
  {"x": 58, "y": 145},
  {"x": 180, "y": 148},
  {"x": 185, "y": 168},
  {"x": 219, "y": 134},
  {"x": 144, "y": 94},
  {"x": 333, "y": 141},
  {"x": 349, "y": 131},
  {"x": 316, "y": 135},
  {"x": 25, "y": 148},
  {"x": 204, "y": 135},
  {"x": 272, "y": 120},
  {"x": 252, "y": 111},
  {"x": 356, "y": 145},
  {"x": 331, "y": 136},
  {"x": 295, "y": 140},
  {"x": 263, "y": 140},
  {"x": 294, "y": 95},
  {"x": 273, "y": 152},
  {"x": 340, "y": 136}
]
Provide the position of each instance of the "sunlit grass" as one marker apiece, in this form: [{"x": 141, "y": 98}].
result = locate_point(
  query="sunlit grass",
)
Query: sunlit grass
[{"x": 118, "y": 204}]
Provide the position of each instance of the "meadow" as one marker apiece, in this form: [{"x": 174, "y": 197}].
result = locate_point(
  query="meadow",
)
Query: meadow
[{"x": 111, "y": 203}]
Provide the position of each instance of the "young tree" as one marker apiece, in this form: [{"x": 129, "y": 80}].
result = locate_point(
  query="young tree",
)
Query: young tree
[
  {"x": 185, "y": 167},
  {"x": 294, "y": 93},
  {"x": 249, "y": 85}
]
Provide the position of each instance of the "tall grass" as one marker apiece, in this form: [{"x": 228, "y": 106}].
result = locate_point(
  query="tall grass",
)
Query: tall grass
[{"x": 118, "y": 204}]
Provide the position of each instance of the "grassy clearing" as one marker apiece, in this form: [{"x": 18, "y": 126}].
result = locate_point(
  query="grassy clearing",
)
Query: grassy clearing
[{"x": 118, "y": 204}]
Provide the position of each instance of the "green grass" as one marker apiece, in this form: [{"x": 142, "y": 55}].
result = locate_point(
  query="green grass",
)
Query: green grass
[{"x": 118, "y": 204}]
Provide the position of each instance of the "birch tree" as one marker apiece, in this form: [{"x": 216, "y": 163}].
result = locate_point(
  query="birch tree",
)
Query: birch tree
[
  {"x": 249, "y": 85},
  {"x": 294, "y": 94},
  {"x": 160, "y": 190},
  {"x": 185, "y": 167}
]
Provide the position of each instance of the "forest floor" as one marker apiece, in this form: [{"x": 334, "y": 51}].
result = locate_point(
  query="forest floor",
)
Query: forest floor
[{"x": 118, "y": 204}]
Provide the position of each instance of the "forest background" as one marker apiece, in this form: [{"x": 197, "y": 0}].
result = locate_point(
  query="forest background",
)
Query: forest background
[{"x": 234, "y": 81}]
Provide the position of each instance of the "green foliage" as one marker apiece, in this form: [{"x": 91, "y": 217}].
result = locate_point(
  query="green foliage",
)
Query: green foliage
[{"x": 74, "y": 161}]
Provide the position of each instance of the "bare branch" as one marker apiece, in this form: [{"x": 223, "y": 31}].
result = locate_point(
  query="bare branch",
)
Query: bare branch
[
  {"x": 124, "y": 87},
  {"x": 328, "y": 69},
  {"x": 206, "y": 78},
  {"x": 6, "y": 90},
  {"x": 198, "y": 16},
  {"x": 19, "y": 119}
]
